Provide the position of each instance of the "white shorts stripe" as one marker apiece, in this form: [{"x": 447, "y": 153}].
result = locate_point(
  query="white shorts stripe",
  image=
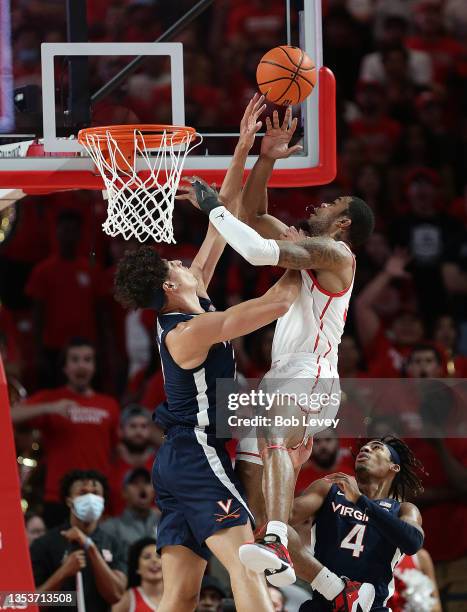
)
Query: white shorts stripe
[
  {"x": 201, "y": 398},
  {"x": 218, "y": 468}
]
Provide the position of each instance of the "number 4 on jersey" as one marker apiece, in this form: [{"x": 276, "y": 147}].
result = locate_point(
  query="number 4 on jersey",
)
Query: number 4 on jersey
[{"x": 353, "y": 540}]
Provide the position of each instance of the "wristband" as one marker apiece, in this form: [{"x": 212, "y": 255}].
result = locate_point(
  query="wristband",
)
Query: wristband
[
  {"x": 206, "y": 196},
  {"x": 87, "y": 543}
]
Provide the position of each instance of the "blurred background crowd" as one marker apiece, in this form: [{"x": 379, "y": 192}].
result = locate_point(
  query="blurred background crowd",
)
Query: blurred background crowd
[{"x": 84, "y": 374}]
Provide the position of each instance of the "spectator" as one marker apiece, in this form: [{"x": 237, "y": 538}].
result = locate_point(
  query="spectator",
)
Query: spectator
[
  {"x": 429, "y": 234},
  {"x": 79, "y": 426},
  {"x": 139, "y": 519},
  {"x": 66, "y": 291},
  {"x": 445, "y": 481},
  {"x": 35, "y": 526},
  {"x": 378, "y": 133},
  {"x": 384, "y": 349},
  {"x": 327, "y": 457},
  {"x": 135, "y": 450},
  {"x": 394, "y": 31},
  {"x": 446, "y": 335},
  {"x": 80, "y": 545},
  {"x": 350, "y": 358},
  {"x": 211, "y": 595},
  {"x": 145, "y": 584},
  {"x": 278, "y": 599},
  {"x": 444, "y": 51}
]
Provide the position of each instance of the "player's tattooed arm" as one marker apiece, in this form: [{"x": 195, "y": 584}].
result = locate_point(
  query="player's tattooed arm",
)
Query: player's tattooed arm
[{"x": 317, "y": 253}]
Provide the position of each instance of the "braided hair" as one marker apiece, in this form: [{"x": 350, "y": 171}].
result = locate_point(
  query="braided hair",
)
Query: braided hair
[{"x": 407, "y": 481}]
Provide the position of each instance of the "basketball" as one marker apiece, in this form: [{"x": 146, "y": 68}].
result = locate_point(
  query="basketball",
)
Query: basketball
[{"x": 286, "y": 75}]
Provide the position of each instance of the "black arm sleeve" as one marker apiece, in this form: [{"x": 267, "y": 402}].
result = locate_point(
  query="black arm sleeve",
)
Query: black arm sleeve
[{"x": 405, "y": 536}]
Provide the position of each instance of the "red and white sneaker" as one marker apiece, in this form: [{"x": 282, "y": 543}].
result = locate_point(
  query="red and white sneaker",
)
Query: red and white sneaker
[
  {"x": 355, "y": 597},
  {"x": 271, "y": 557}
]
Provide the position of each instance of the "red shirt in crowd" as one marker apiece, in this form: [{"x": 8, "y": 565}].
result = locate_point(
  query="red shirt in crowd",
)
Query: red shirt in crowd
[
  {"x": 69, "y": 291},
  {"x": 445, "y": 54},
  {"x": 385, "y": 356},
  {"x": 82, "y": 441},
  {"x": 378, "y": 137},
  {"x": 444, "y": 523},
  {"x": 311, "y": 472}
]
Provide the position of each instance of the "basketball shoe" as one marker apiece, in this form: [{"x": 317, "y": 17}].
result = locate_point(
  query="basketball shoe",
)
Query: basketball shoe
[
  {"x": 355, "y": 597},
  {"x": 271, "y": 557}
]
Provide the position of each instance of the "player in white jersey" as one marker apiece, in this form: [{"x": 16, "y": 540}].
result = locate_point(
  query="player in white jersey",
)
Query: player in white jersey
[{"x": 304, "y": 356}]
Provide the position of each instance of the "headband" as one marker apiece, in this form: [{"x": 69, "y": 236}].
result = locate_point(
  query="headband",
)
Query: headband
[{"x": 395, "y": 458}]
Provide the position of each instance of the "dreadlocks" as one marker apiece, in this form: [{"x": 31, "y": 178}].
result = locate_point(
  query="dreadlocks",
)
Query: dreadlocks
[{"x": 406, "y": 480}]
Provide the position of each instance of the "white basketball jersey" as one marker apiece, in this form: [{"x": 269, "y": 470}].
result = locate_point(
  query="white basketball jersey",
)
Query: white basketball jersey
[{"x": 315, "y": 322}]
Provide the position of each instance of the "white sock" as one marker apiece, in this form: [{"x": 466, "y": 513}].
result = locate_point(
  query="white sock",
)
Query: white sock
[
  {"x": 278, "y": 529},
  {"x": 328, "y": 584}
]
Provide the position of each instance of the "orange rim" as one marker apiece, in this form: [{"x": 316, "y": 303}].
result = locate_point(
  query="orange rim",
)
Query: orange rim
[{"x": 153, "y": 134}]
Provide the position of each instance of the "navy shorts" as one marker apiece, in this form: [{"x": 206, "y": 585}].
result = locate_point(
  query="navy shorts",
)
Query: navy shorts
[{"x": 196, "y": 490}]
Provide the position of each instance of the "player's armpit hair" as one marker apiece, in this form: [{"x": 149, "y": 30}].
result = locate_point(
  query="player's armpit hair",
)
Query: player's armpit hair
[{"x": 317, "y": 252}]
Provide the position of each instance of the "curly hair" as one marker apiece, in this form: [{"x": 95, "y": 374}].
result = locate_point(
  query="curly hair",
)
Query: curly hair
[
  {"x": 407, "y": 481},
  {"x": 139, "y": 274},
  {"x": 71, "y": 477},
  {"x": 134, "y": 553}
]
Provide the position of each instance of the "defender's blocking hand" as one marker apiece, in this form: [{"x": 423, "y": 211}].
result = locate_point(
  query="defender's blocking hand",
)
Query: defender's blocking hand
[{"x": 276, "y": 141}]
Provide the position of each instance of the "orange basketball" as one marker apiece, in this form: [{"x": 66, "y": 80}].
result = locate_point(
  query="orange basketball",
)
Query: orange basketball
[{"x": 286, "y": 75}]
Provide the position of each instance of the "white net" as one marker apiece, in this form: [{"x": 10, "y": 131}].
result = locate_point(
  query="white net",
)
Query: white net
[{"x": 140, "y": 188}]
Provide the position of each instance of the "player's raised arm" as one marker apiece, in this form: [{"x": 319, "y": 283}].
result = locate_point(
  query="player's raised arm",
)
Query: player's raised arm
[
  {"x": 317, "y": 253},
  {"x": 205, "y": 262},
  {"x": 190, "y": 342},
  {"x": 275, "y": 145}
]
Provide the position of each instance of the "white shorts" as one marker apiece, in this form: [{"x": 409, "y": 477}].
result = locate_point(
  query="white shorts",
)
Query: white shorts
[{"x": 315, "y": 384}]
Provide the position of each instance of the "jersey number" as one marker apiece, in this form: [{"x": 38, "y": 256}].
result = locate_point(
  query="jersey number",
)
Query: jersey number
[{"x": 353, "y": 540}]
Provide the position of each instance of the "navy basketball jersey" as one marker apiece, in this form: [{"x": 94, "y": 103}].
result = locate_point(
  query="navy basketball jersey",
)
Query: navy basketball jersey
[
  {"x": 348, "y": 543},
  {"x": 191, "y": 393}
]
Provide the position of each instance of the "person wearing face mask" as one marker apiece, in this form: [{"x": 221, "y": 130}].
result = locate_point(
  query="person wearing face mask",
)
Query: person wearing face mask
[{"x": 80, "y": 545}]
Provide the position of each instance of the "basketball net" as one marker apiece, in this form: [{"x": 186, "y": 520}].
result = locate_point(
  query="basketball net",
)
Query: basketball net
[{"x": 141, "y": 173}]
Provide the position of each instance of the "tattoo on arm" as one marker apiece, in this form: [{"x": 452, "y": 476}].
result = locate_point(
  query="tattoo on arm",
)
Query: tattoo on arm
[{"x": 317, "y": 252}]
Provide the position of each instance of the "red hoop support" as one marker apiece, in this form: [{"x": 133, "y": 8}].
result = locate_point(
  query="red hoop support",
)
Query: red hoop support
[{"x": 42, "y": 182}]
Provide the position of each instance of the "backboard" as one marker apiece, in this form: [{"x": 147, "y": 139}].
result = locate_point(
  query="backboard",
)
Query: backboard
[{"x": 202, "y": 78}]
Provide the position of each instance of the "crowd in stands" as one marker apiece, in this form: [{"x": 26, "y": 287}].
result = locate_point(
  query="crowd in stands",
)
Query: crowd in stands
[{"x": 84, "y": 374}]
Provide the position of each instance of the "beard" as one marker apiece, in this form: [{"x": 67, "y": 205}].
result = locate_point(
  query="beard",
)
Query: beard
[
  {"x": 327, "y": 461},
  {"x": 135, "y": 448},
  {"x": 317, "y": 226}
]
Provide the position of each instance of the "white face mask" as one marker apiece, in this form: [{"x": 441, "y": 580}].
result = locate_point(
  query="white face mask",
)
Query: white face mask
[{"x": 88, "y": 508}]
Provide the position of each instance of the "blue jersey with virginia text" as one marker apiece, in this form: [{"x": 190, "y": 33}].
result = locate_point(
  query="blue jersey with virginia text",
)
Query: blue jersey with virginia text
[
  {"x": 349, "y": 544},
  {"x": 191, "y": 393}
]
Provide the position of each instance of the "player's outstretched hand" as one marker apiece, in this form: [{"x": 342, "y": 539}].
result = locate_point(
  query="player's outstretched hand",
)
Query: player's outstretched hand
[
  {"x": 347, "y": 484},
  {"x": 276, "y": 141},
  {"x": 249, "y": 125},
  {"x": 199, "y": 193}
]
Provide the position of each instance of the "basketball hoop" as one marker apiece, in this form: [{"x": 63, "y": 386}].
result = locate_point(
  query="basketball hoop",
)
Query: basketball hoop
[{"x": 141, "y": 166}]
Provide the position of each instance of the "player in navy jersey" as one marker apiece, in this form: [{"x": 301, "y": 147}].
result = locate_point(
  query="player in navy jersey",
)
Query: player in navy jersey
[
  {"x": 202, "y": 502},
  {"x": 361, "y": 528}
]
